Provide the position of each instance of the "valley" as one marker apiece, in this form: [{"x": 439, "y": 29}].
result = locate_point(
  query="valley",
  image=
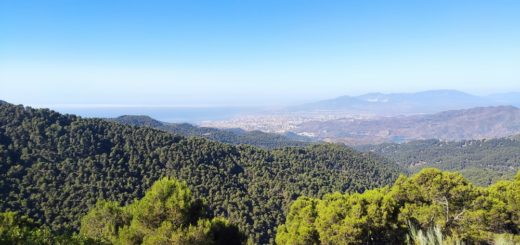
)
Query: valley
[
  {"x": 55, "y": 167},
  {"x": 259, "y": 122},
  {"x": 383, "y": 118},
  {"x": 249, "y": 177}
]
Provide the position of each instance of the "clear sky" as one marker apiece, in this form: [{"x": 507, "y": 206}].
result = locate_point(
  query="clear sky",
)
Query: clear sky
[{"x": 252, "y": 52}]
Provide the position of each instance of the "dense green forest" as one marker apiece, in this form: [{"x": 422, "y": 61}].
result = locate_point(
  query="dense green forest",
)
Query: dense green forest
[
  {"x": 231, "y": 136},
  {"x": 54, "y": 168},
  {"x": 481, "y": 161},
  {"x": 167, "y": 214},
  {"x": 431, "y": 207}
]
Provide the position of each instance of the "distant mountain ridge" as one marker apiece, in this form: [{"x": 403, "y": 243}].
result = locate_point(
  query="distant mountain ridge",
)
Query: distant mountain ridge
[
  {"x": 409, "y": 103},
  {"x": 230, "y": 136},
  {"x": 475, "y": 123}
]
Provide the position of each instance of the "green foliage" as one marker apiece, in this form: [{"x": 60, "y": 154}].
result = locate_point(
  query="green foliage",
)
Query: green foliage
[
  {"x": 215, "y": 231},
  {"x": 431, "y": 207},
  {"x": 54, "y": 168},
  {"x": 483, "y": 162},
  {"x": 363, "y": 217},
  {"x": 104, "y": 221},
  {"x": 167, "y": 214},
  {"x": 509, "y": 192},
  {"x": 301, "y": 229},
  {"x": 15, "y": 229}
]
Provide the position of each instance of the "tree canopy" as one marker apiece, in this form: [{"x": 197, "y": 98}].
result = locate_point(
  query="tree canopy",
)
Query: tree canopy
[
  {"x": 21, "y": 230},
  {"x": 167, "y": 214},
  {"x": 430, "y": 199}
]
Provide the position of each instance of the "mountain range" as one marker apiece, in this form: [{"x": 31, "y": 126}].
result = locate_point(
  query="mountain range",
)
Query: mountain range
[
  {"x": 454, "y": 125},
  {"x": 393, "y": 104},
  {"x": 397, "y": 117}
]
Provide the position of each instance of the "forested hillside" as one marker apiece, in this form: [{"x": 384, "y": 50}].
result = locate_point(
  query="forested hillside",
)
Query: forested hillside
[
  {"x": 231, "y": 136},
  {"x": 167, "y": 214},
  {"x": 481, "y": 161},
  {"x": 55, "y": 167}
]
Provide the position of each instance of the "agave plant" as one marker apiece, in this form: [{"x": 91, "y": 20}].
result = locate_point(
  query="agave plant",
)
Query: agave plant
[
  {"x": 431, "y": 236},
  {"x": 505, "y": 240}
]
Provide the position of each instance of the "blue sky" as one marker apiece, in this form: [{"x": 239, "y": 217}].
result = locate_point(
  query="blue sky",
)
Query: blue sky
[{"x": 252, "y": 52}]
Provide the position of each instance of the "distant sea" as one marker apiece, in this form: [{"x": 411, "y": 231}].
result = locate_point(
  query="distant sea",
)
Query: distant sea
[{"x": 166, "y": 114}]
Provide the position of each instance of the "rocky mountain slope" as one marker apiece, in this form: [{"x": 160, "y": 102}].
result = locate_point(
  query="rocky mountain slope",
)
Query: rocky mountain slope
[{"x": 475, "y": 123}]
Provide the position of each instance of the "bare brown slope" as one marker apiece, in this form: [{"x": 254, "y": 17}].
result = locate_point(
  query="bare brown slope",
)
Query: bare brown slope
[{"x": 476, "y": 123}]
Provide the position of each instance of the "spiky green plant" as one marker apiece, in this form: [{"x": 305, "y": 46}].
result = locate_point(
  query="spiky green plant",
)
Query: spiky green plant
[
  {"x": 504, "y": 239},
  {"x": 431, "y": 236}
]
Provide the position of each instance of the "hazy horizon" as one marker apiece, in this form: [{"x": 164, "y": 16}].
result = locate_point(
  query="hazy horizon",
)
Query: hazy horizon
[
  {"x": 216, "y": 105},
  {"x": 215, "y": 112}
]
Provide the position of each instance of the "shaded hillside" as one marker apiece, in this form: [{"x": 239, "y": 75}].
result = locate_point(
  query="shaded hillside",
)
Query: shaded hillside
[
  {"x": 231, "y": 136},
  {"x": 54, "y": 167},
  {"x": 481, "y": 161},
  {"x": 475, "y": 123}
]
